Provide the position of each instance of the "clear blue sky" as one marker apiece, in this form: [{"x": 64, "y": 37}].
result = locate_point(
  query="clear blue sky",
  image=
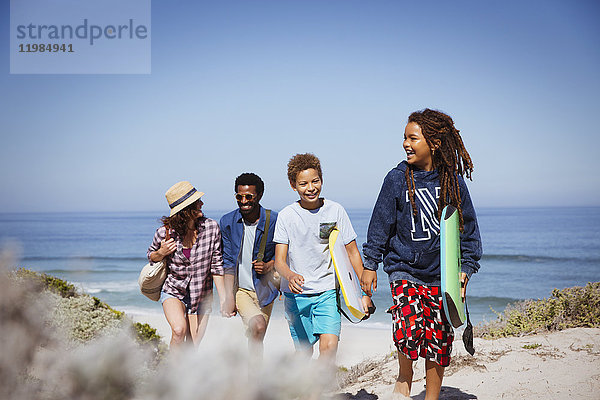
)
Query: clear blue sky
[{"x": 242, "y": 85}]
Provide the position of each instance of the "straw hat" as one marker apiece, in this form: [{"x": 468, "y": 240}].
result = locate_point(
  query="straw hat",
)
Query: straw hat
[{"x": 181, "y": 195}]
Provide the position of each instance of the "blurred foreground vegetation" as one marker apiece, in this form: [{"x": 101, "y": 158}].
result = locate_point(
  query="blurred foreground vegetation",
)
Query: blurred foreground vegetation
[
  {"x": 60, "y": 344},
  {"x": 573, "y": 307},
  {"x": 85, "y": 317}
]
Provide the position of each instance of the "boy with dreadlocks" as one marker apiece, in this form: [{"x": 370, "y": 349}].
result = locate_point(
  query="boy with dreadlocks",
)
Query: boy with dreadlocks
[{"x": 404, "y": 234}]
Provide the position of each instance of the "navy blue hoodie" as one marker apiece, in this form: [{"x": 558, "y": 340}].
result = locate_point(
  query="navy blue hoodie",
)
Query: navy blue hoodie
[{"x": 410, "y": 247}]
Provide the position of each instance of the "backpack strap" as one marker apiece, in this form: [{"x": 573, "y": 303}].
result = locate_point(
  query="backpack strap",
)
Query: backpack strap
[{"x": 263, "y": 241}]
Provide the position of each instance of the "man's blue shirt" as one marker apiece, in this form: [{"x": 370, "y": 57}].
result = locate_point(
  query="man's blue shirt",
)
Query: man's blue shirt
[{"x": 232, "y": 233}]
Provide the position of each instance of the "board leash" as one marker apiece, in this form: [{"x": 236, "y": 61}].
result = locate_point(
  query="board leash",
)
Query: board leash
[
  {"x": 372, "y": 308},
  {"x": 467, "y": 335}
]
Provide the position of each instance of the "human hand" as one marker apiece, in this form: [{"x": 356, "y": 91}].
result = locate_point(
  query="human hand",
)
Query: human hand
[
  {"x": 167, "y": 247},
  {"x": 366, "y": 303},
  {"x": 464, "y": 279},
  {"x": 368, "y": 278},
  {"x": 295, "y": 283},
  {"x": 228, "y": 307},
  {"x": 262, "y": 267}
]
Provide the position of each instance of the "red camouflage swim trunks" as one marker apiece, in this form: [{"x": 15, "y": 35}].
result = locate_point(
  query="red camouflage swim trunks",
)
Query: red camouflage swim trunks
[{"x": 420, "y": 327}]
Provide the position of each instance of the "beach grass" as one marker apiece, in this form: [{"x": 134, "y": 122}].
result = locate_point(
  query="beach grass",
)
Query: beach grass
[
  {"x": 575, "y": 307},
  {"x": 86, "y": 317}
]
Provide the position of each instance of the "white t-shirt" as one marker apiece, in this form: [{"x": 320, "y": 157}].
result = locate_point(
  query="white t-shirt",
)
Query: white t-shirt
[
  {"x": 245, "y": 257},
  {"x": 306, "y": 232}
]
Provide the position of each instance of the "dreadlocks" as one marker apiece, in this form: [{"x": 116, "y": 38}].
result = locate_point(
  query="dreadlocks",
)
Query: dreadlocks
[{"x": 450, "y": 158}]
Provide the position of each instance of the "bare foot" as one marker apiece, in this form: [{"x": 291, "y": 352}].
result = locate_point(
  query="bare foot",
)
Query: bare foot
[
  {"x": 395, "y": 396},
  {"x": 401, "y": 391}
]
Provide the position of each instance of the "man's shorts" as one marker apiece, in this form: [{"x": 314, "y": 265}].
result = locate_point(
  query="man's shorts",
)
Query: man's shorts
[
  {"x": 205, "y": 306},
  {"x": 248, "y": 306},
  {"x": 311, "y": 315},
  {"x": 420, "y": 327}
]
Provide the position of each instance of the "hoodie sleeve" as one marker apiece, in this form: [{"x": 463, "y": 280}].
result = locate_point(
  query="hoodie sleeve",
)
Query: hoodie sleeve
[
  {"x": 470, "y": 240},
  {"x": 383, "y": 222}
]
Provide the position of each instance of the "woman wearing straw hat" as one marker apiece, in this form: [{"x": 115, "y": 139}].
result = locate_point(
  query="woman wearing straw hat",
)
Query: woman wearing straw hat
[{"x": 194, "y": 260}]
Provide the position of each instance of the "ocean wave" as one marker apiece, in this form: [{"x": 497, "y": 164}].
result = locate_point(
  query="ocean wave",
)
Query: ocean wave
[
  {"x": 491, "y": 299},
  {"x": 84, "y": 258},
  {"x": 536, "y": 259},
  {"x": 108, "y": 287},
  {"x": 60, "y": 271},
  {"x": 135, "y": 311},
  {"x": 369, "y": 324}
]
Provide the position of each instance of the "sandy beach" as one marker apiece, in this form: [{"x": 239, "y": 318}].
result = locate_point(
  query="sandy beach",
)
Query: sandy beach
[
  {"x": 563, "y": 364},
  {"x": 357, "y": 343},
  {"x": 558, "y": 365}
]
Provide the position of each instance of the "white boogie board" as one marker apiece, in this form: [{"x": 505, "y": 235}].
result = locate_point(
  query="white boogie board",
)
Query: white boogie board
[{"x": 346, "y": 276}]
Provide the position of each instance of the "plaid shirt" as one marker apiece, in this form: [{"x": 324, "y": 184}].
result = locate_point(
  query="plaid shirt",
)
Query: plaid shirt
[{"x": 192, "y": 277}]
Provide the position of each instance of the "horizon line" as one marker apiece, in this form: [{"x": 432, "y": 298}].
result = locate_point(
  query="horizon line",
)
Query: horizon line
[{"x": 231, "y": 209}]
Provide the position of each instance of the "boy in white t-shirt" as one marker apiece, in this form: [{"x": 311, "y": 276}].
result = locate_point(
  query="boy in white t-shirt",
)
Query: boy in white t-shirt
[{"x": 303, "y": 260}]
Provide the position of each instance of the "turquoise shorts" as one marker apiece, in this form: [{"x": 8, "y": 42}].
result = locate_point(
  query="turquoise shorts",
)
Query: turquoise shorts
[{"x": 311, "y": 315}]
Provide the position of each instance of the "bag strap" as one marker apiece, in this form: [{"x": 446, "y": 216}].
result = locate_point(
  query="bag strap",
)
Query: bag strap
[
  {"x": 167, "y": 237},
  {"x": 263, "y": 241}
]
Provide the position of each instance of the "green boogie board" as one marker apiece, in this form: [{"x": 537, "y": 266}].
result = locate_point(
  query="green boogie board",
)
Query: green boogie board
[{"x": 454, "y": 307}]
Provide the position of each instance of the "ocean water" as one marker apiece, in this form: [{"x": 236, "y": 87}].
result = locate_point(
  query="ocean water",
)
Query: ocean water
[{"x": 527, "y": 253}]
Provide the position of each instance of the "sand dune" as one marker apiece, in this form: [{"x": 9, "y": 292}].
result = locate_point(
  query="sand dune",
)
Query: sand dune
[
  {"x": 558, "y": 365},
  {"x": 563, "y": 364}
]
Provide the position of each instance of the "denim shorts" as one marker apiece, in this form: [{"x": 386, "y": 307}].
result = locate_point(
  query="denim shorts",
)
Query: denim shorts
[
  {"x": 205, "y": 306},
  {"x": 311, "y": 315}
]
